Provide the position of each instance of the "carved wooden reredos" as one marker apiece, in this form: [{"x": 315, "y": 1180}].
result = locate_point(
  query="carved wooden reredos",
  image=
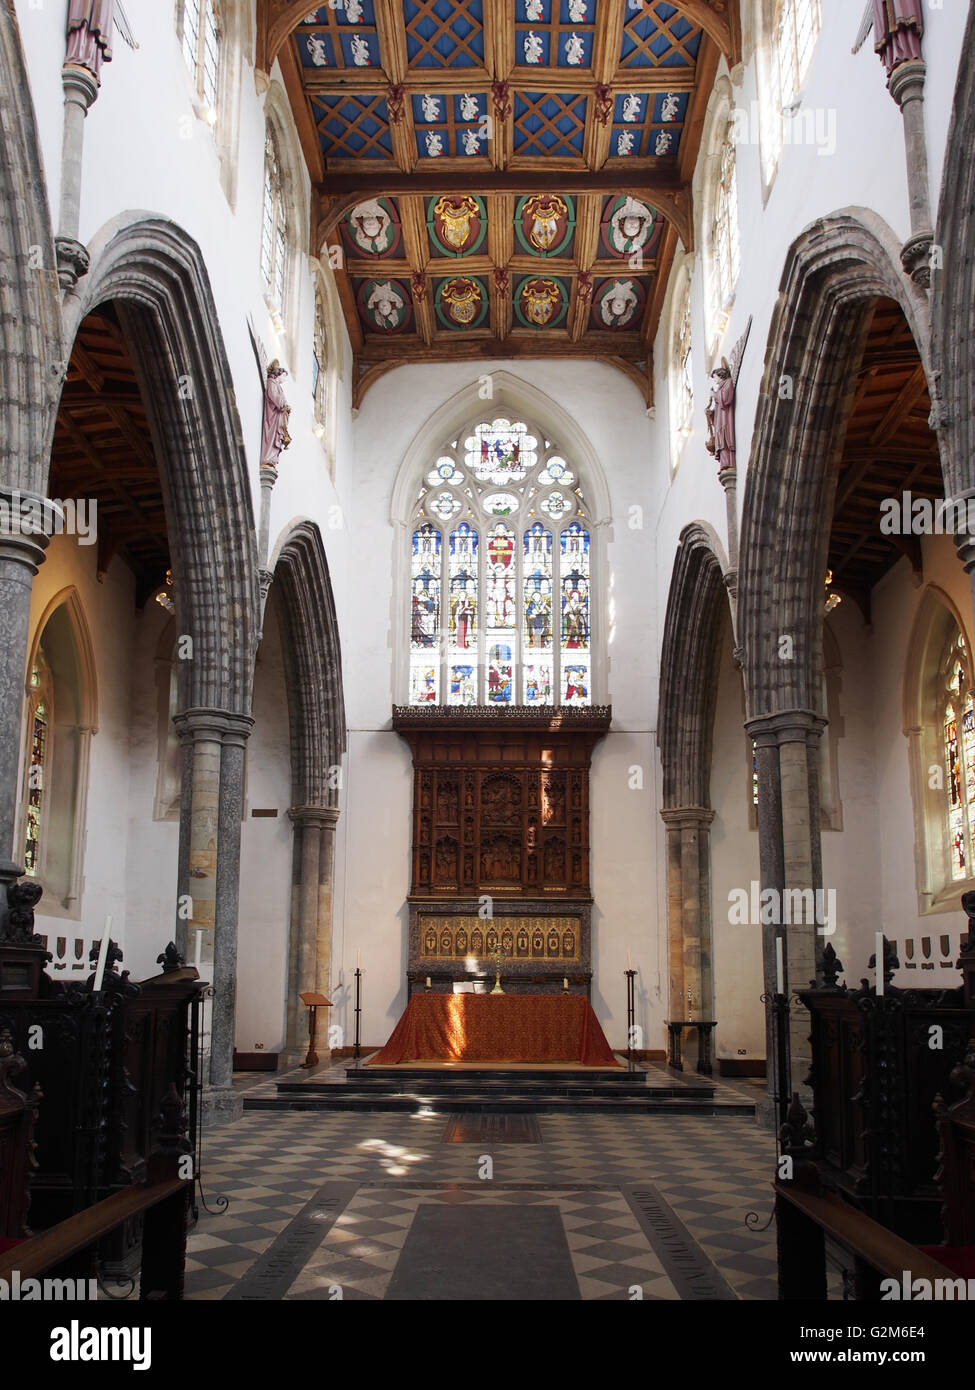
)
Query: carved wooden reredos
[{"x": 501, "y": 801}]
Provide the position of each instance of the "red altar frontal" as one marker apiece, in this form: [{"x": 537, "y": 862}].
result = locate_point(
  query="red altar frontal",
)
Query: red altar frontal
[{"x": 497, "y": 1028}]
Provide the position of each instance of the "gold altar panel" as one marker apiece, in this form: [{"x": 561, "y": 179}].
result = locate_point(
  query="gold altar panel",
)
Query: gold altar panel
[{"x": 555, "y": 939}]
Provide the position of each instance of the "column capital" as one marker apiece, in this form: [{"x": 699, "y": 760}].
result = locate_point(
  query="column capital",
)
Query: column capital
[
  {"x": 325, "y": 817},
  {"x": 80, "y": 84},
  {"x": 687, "y": 817},
  {"x": 788, "y": 726},
  {"x": 214, "y": 725},
  {"x": 906, "y": 82}
]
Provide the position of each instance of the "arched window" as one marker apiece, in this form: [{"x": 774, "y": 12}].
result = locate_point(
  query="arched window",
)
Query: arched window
[
  {"x": 501, "y": 605},
  {"x": 274, "y": 229},
  {"x": 939, "y": 722},
  {"x": 199, "y": 32},
  {"x": 791, "y": 30},
  {"x": 682, "y": 371},
  {"x": 59, "y": 726}
]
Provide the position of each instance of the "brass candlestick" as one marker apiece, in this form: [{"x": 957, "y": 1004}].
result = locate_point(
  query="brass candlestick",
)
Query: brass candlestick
[{"x": 497, "y": 978}]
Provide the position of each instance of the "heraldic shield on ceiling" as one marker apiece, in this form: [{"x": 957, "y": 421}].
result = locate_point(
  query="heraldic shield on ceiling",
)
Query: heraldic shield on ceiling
[{"x": 501, "y": 181}]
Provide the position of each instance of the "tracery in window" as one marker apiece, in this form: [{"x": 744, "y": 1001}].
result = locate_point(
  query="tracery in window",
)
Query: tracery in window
[
  {"x": 501, "y": 529},
  {"x": 199, "y": 32}
]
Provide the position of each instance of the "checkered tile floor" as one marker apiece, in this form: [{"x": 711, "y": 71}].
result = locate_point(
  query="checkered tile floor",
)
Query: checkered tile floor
[{"x": 710, "y": 1173}]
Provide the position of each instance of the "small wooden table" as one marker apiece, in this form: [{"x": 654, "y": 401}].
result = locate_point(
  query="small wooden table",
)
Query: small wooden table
[{"x": 676, "y": 1030}]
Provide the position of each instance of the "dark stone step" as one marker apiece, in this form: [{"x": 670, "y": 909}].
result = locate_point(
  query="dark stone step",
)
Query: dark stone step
[
  {"x": 478, "y": 1074},
  {"x": 340, "y": 1099},
  {"x": 491, "y": 1089}
]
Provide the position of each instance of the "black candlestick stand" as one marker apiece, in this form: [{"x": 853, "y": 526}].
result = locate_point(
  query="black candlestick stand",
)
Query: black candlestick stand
[
  {"x": 358, "y": 1010},
  {"x": 630, "y": 1013},
  {"x": 783, "y": 1054}
]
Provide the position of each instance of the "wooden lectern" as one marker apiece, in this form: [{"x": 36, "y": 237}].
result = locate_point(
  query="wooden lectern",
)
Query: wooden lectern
[{"x": 314, "y": 1002}]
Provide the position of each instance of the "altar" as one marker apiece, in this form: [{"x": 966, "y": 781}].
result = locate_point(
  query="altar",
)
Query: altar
[{"x": 497, "y": 1028}]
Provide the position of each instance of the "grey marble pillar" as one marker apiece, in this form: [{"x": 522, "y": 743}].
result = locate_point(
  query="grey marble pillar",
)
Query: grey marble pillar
[
  {"x": 689, "y": 905},
  {"x": 231, "y": 809},
  {"x": 26, "y": 524},
  {"x": 787, "y": 752},
  {"x": 906, "y": 84},
  {"x": 311, "y": 935},
  {"x": 80, "y": 90}
]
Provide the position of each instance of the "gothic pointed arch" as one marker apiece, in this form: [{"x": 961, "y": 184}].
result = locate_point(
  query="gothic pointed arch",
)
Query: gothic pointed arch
[
  {"x": 689, "y": 667},
  {"x": 313, "y": 665},
  {"x": 155, "y": 275},
  {"x": 31, "y": 350},
  {"x": 832, "y": 273}
]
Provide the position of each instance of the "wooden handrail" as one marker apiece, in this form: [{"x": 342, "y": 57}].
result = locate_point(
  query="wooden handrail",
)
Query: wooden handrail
[
  {"x": 50, "y": 1248},
  {"x": 881, "y": 1249}
]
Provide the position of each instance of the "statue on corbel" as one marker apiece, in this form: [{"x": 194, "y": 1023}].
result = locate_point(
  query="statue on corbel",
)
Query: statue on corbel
[{"x": 90, "y": 34}]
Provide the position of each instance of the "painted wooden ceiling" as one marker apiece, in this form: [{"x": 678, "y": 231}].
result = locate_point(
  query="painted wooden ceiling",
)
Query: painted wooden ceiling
[{"x": 500, "y": 178}]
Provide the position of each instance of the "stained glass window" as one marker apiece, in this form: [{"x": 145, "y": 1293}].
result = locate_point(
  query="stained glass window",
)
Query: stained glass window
[
  {"x": 537, "y": 616},
  {"x": 425, "y": 617},
  {"x": 959, "y": 745},
  {"x": 501, "y": 529},
  {"x": 575, "y": 615},
  {"x": 39, "y": 715},
  {"x": 462, "y": 654}
]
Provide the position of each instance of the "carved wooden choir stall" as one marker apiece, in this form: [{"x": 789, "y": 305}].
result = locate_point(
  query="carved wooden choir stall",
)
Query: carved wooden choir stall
[{"x": 114, "y": 1098}]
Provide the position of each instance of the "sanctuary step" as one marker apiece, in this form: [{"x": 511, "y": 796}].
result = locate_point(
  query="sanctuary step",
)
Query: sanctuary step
[{"x": 527, "y": 1090}]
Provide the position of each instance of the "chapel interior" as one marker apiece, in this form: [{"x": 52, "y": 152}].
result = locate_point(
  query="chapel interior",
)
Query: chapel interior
[{"x": 487, "y": 713}]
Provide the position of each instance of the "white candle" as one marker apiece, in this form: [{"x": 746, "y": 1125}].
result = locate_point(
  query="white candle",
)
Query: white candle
[
  {"x": 565, "y": 982},
  {"x": 357, "y": 960},
  {"x": 880, "y": 962},
  {"x": 102, "y": 953},
  {"x": 779, "y": 971},
  {"x": 428, "y": 982},
  {"x": 199, "y": 949}
]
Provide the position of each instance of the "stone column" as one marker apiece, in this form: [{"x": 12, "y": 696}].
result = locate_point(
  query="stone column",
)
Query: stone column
[
  {"x": 906, "y": 85},
  {"x": 202, "y": 730},
  {"x": 787, "y": 752},
  {"x": 26, "y": 524},
  {"x": 236, "y": 729},
  {"x": 269, "y": 476},
  {"x": 689, "y": 895},
  {"x": 311, "y": 934},
  {"x": 80, "y": 90}
]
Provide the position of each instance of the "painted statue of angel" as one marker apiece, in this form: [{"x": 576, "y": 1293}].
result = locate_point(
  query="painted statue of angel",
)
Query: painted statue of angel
[
  {"x": 631, "y": 107},
  {"x": 431, "y": 108}
]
